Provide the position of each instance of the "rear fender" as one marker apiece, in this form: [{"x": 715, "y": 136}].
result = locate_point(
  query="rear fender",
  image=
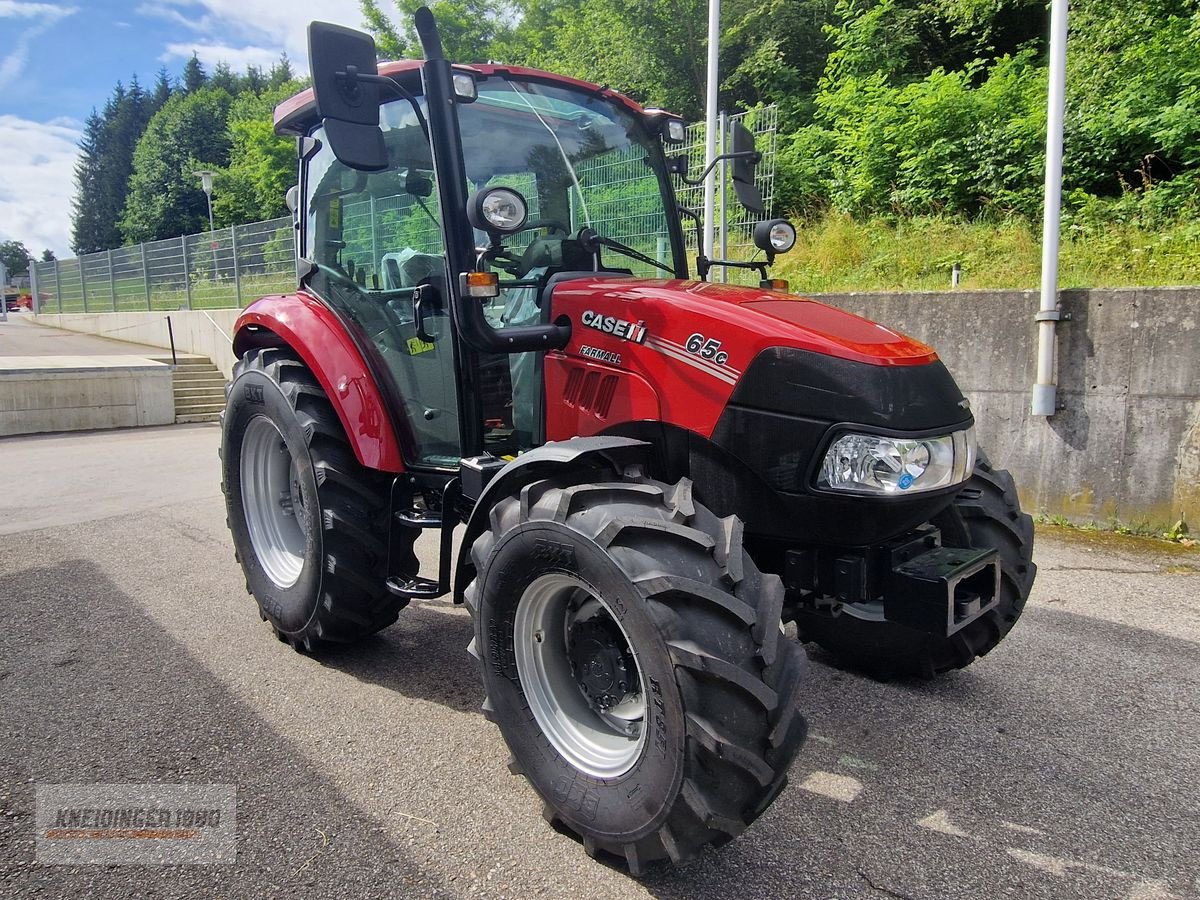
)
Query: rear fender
[
  {"x": 587, "y": 454},
  {"x": 311, "y": 329}
]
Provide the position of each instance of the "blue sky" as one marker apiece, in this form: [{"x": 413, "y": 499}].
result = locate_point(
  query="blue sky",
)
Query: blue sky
[{"x": 61, "y": 58}]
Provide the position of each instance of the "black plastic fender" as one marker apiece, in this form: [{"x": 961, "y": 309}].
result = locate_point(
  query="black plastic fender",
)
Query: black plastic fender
[{"x": 555, "y": 458}]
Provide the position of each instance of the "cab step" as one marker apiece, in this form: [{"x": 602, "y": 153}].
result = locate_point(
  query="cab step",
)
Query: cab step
[{"x": 415, "y": 588}]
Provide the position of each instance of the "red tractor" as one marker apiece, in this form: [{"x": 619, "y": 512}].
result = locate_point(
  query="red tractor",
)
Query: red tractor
[{"x": 495, "y": 327}]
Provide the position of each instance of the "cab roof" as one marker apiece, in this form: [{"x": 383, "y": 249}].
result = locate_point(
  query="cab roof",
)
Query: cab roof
[{"x": 298, "y": 114}]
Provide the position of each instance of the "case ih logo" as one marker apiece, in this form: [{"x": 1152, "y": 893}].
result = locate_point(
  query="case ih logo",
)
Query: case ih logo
[{"x": 630, "y": 331}]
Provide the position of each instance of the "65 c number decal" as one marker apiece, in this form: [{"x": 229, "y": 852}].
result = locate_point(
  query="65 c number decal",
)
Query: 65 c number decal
[{"x": 706, "y": 348}]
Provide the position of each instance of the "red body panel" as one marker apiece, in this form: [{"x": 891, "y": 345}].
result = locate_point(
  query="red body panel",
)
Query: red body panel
[
  {"x": 589, "y": 396},
  {"x": 692, "y": 391},
  {"x": 314, "y": 332}
]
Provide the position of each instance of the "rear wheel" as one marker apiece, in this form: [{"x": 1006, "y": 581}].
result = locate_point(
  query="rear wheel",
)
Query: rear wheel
[
  {"x": 632, "y": 658},
  {"x": 309, "y": 523},
  {"x": 985, "y": 513}
]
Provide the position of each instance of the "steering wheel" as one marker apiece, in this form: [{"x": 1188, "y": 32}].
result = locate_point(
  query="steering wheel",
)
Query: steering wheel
[
  {"x": 547, "y": 223},
  {"x": 337, "y": 275}
]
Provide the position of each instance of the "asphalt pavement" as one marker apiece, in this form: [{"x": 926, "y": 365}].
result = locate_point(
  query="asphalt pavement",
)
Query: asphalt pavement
[{"x": 1062, "y": 765}]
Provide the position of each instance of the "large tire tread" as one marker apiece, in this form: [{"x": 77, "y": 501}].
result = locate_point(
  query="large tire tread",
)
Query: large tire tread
[
  {"x": 353, "y": 601},
  {"x": 720, "y": 618}
]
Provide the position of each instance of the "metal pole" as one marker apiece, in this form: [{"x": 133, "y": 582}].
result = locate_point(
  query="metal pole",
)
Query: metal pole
[
  {"x": 375, "y": 266},
  {"x": 187, "y": 279},
  {"x": 212, "y": 239},
  {"x": 710, "y": 121},
  {"x": 33, "y": 285},
  {"x": 83, "y": 280},
  {"x": 145, "y": 276},
  {"x": 57, "y": 289},
  {"x": 171, "y": 336},
  {"x": 237, "y": 278},
  {"x": 3, "y": 295},
  {"x": 112, "y": 281},
  {"x": 723, "y": 125},
  {"x": 1045, "y": 391}
]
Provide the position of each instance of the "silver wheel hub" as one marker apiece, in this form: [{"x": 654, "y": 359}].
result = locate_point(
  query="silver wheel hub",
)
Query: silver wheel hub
[
  {"x": 580, "y": 675},
  {"x": 273, "y": 502}
]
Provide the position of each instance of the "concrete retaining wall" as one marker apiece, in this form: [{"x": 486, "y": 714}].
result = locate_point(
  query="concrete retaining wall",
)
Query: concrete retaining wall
[
  {"x": 76, "y": 393},
  {"x": 1126, "y": 442},
  {"x": 205, "y": 332}
]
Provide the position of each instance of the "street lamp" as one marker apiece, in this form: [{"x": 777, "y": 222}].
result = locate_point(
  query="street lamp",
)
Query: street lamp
[{"x": 206, "y": 183}]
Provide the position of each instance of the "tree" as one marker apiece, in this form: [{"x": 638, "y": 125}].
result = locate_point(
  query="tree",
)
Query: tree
[
  {"x": 15, "y": 258},
  {"x": 86, "y": 222},
  {"x": 469, "y": 28},
  {"x": 194, "y": 76},
  {"x": 223, "y": 77},
  {"x": 165, "y": 199},
  {"x": 105, "y": 164},
  {"x": 281, "y": 73},
  {"x": 48, "y": 255},
  {"x": 262, "y": 165},
  {"x": 162, "y": 90}
]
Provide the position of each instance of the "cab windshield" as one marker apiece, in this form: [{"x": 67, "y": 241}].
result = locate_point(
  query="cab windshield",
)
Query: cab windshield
[{"x": 578, "y": 159}]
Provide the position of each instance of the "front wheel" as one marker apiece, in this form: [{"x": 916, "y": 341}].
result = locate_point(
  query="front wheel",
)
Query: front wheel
[
  {"x": 985, "y": 513},
  {"x": 632, "y": 657}
]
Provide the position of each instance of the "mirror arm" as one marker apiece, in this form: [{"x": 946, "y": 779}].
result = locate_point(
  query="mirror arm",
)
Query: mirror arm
[
  {"x": 704, "y": 265},
  {"x": 353, "y": 74},
  {"x": 681, "y": 163}
]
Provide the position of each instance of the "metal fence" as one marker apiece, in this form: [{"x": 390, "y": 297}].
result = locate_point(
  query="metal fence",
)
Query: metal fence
[
  {"x": 230, "y": 267},
  {"x": 218, "y": 269}
]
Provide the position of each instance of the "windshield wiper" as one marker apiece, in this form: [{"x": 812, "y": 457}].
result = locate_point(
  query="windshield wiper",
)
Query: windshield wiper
[{"x": 600, "y": 240}]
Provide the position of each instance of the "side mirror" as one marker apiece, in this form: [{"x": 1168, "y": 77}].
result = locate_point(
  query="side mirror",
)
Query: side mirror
[
  {"x": 347, "y": 105},
  {"x": 743, "y": 169}
]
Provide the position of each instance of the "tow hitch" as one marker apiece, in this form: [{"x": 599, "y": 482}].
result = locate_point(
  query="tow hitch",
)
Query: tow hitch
[
  {"x": 943, "y": 590},
  {"x": 914, "y": 581}
]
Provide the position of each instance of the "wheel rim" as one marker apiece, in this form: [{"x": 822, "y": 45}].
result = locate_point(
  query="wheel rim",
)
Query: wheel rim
[
  {"x": 273, "y": 502},
  {"x": 560, "y": 648}
]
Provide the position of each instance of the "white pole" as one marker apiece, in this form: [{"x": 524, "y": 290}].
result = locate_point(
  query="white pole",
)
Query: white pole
[
  {"x": 1045, "y": 390},
  {"x": 710, "y": 123},
  {"x": 723, "y": 190}
]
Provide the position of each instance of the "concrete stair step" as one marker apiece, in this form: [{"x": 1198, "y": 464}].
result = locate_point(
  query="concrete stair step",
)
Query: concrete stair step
[
  {"x": 207, "y": 372},
  {"x": 200, "y": 390},
  {"x": 202, "y": 381},
  {"x": 183, "y": 409},
  {"x": 187, "y": 418},
  {"x": 199, "y": 397}
]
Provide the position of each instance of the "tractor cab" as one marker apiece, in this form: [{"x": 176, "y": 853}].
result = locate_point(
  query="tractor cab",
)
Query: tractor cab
[{"x": 557, "y": 178}]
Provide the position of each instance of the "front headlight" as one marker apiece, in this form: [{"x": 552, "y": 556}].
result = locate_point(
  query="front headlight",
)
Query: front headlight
[{"x": 877, "y": 464}]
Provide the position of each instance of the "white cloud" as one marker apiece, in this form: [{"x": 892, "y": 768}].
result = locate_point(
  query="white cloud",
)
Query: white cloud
[
  {"x": 37, "y": 181},
  {"x": 43, "y": 16},
  {"x": 15, "y": 9},
  {"x": 238, "y": 58},
  {"x": 255, "y": 25}
]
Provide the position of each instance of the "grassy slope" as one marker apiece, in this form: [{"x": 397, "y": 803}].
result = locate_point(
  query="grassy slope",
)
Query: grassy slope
[{"x": 837, "y": 253}]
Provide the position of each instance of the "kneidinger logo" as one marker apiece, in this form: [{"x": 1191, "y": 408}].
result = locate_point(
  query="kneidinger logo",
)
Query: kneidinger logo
[{"x": 166, "y": 824}]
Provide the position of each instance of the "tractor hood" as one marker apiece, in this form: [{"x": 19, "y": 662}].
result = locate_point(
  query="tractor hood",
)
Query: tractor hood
[
  {"x": 702, "y": 348},
  {"x": 759, "y": 318}
]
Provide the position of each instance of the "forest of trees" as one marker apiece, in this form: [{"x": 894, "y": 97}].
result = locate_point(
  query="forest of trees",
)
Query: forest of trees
[
  {"x": 889, "y": 108},
  {"x": 134, "y": 178}
]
